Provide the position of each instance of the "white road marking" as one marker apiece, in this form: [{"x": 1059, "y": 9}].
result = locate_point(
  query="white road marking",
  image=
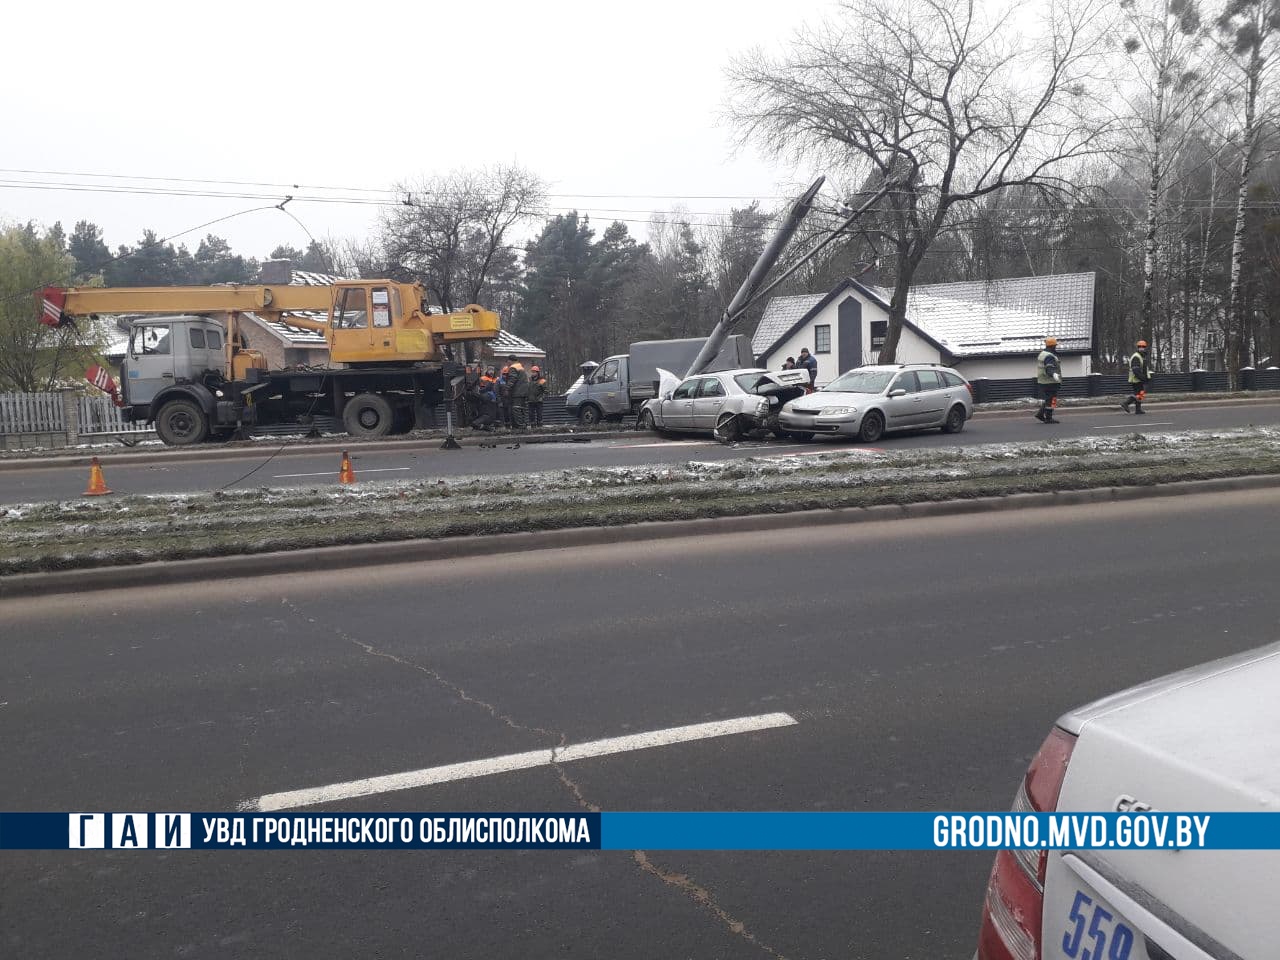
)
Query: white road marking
[
  {"x": 410, "y": 779},
  {"x": 666, "y": 443},
  {"x": 817, "y": 453},
  {"x": 329, "y": 473},
  {"x": 1144, "y": 423}
]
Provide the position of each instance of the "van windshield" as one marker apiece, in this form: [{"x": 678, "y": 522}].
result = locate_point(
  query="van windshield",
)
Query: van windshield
[{"x": 860, "y": 381}]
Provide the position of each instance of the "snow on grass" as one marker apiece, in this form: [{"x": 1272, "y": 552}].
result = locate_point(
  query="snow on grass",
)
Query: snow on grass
[{"x": 128, "y": 529}]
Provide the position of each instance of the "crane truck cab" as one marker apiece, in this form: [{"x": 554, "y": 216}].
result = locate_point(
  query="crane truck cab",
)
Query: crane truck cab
[{"x": 171, "y": 374}]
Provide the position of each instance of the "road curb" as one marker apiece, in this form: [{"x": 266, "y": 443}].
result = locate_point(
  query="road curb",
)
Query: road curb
[
  {"x": 411, "y": 551},
  {"x": 265, "y": 450}
]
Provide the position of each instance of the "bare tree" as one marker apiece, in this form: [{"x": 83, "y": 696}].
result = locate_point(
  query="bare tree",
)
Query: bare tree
[
  {"x": 1170, "y": 76},
  {"x": 940, "y": 99},
  {"x": 1251, "y": 29},
  {"x": 450, "y": 232}
]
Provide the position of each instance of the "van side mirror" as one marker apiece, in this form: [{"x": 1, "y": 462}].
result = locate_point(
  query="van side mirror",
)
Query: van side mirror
[{"x": 897, "y": 393}]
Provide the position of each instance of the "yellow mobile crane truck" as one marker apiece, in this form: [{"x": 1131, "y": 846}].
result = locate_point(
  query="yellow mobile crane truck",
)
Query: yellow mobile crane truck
[{"x": 188, "y": 371}]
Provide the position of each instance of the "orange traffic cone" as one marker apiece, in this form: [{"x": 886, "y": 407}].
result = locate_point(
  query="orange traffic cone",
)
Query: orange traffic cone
[
  {"x": 97, "y": 485},
  {"x": 345, "y": 473}
]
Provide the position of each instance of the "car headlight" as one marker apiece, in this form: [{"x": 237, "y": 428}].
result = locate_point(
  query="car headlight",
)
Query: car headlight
[{"x": 837, "y": 411}]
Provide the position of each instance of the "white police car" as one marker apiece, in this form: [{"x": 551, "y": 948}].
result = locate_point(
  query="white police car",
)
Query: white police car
[{"x": 1205, "y": 739}]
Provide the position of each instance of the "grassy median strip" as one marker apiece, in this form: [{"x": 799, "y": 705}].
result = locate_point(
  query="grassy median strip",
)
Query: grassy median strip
[{"x": 122, "y": 530}]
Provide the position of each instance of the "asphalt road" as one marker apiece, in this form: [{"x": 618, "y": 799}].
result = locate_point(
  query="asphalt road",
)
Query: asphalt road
[
  {"x": 924, "y": 661},
  {"x": 421, "y": 460}
]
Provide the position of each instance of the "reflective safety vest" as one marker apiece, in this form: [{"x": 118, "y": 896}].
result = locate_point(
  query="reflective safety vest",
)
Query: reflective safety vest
[
  {"x": 1139, "y": 369},
  {"x": 1046, "y": 367}
]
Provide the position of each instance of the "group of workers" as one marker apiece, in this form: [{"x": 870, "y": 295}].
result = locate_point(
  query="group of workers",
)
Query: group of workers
[
  {"x": 510, "y": 397},
  {"x": 1049, "y": 380}
]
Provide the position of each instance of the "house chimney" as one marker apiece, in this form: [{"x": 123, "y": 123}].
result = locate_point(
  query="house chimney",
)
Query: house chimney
[{"x": 276, "y": 271}]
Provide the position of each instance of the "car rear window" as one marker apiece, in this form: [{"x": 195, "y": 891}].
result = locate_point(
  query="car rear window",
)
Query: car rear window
[{"x": 860, "y": 381}]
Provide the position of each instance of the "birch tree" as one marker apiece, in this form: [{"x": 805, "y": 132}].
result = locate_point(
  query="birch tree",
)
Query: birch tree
[
  {"x": 1171, "y": 75},
  {"x": 1250, "y": 30}
]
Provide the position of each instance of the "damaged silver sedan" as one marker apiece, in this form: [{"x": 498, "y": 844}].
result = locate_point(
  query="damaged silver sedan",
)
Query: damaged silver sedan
[{"x": 730, "y": 405}]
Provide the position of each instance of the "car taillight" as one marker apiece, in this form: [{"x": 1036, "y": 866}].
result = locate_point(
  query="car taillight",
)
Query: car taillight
[
  {"x": 972, "y": 395},
  {"x": 1015, "y": 894}
]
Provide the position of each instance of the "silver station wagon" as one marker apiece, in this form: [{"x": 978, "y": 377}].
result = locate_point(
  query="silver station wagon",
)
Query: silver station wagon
[{"x": 868, "y": 402}]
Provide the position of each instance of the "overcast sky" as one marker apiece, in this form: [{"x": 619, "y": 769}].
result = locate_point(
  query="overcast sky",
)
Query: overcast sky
[{"x": 595, "y": 97}]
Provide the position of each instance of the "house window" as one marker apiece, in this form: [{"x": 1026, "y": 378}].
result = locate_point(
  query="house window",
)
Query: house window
[
  {"x": 822, "y": 338},
  {"x": 879, "y": 330}
]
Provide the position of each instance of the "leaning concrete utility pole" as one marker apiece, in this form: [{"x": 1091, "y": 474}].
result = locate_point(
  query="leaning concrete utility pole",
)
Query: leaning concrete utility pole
[{"x": 750, "y": 290}]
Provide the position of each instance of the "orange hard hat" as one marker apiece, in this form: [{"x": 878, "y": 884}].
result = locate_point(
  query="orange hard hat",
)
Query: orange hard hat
[
  {"x": 1050, "y": 341},
  {"x": 1142, "y": 343}
]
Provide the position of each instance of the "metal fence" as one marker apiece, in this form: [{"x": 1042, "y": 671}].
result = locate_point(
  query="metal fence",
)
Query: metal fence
[{"x": 1102, "y": 384}]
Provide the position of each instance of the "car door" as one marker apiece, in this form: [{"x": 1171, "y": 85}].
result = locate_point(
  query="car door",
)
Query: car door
[
  {"x": 608, "y": 388},
  {"x": 352, "y": 336},
  {"x": 677, "y": 410},
  {"x": 933, "y": 397},
  {"x": 903, "y": 411},
  {"x": 707, "y": 403},
  {"x": 150, "y": 365}
]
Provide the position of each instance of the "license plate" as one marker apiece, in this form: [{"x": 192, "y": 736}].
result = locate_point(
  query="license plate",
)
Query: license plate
[{"x": 1092, "y": 930}]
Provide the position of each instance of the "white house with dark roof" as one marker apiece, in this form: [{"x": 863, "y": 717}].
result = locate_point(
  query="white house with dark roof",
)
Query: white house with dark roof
[{"x": 990, "y": 329}]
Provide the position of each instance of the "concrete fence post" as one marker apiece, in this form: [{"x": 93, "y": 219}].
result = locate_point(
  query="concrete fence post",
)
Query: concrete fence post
[
  {"x": 1248, "y": 378},
  {"x": 71, "y": 414},
  {"x": 1095, "y": 385}
]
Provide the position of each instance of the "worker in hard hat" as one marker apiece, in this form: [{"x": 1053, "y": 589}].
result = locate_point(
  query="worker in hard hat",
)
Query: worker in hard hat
[
  {"x": 1049, "y": 380},
  {"x": 1139, "y": 377},
  {"x": 537, "y": 393}
]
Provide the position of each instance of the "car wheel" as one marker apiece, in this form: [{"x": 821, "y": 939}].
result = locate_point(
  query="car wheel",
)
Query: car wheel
[
  {"x": 872, "y": 427},
  {"x": 368, "y": 416},
  {"x": 955, "y": 420},
  {"x": 728, "y": 429},
  {"x": 647, "y": 423},
  {"x": 589, "y": 415},
  {"x": 182, "y": 423}
]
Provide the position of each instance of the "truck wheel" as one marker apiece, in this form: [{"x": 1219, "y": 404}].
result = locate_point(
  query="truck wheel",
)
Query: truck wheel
[
  {"x": 590, "y": 415},
  {"x": 368, "y": 416},
  {"x": 182, "y": 423}
]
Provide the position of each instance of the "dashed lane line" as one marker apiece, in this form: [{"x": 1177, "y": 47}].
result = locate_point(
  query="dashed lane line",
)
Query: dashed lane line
[{"x": 411, "y": 779}]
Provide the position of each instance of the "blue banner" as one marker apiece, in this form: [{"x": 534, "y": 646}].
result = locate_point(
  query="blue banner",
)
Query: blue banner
[{"x": 1148, "y": 830}]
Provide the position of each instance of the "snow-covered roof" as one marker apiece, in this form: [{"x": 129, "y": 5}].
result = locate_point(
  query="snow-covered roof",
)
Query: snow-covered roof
[
  {"x": 780, "y": 315},
  {"x": 1013, "y": 316},
  {"x": 112, "y": 332},
  {"x": 507, "y": 342},
  {"x": 297, "y": 336},
  {"x": 968, "y": 319}
]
